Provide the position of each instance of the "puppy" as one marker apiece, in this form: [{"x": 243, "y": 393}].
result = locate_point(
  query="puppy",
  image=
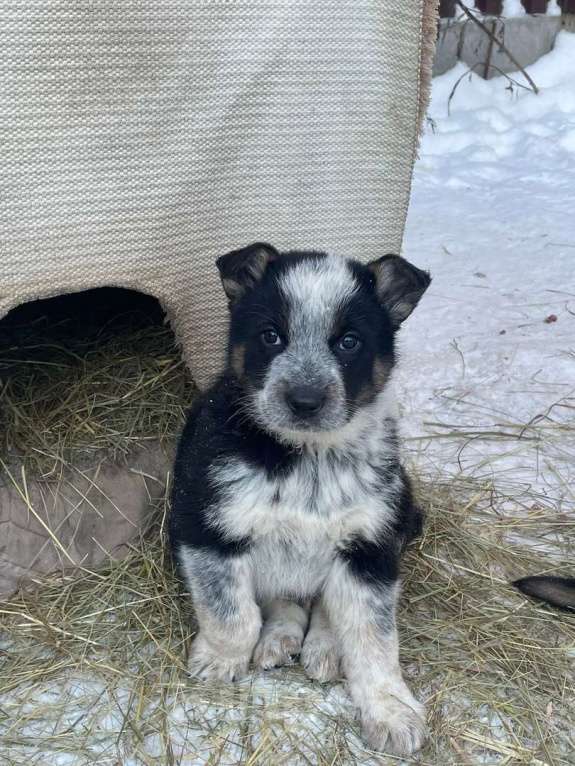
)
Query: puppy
[{"x": 290, "y": 508}]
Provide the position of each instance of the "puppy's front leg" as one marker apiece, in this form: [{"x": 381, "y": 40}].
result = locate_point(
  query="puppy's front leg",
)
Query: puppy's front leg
[
  {"x": 360, "y": 597},
  {"x": 229, "y": 618}
]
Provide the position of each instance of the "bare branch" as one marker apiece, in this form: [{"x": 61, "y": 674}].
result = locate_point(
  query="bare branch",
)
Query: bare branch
[{"x": 493, "y": 37}]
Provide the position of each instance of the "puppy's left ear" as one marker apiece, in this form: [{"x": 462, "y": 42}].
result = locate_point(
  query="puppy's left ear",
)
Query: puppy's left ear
[
  {"x": 399, "y": 285},
  {"x": 242, "y": 269}
]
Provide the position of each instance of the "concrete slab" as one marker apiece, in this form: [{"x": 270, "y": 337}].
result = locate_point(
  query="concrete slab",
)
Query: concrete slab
[{"x": 526, "y": 37}]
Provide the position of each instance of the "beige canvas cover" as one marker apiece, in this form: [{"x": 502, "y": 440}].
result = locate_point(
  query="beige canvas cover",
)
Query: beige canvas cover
[{"x": 140, "y": 139}]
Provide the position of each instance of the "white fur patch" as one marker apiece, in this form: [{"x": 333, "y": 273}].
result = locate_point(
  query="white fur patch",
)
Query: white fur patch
[
  {"x": 315, "y": 291},
  {"x": 320, "y": 653},
  {"x": 282, "y": 635}
]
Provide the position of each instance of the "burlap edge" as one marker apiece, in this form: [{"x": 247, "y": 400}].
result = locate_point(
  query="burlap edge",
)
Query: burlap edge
[{"x": 428, "y": 37}]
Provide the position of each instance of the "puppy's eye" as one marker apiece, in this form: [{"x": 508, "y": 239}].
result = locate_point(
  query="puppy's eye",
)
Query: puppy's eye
[
  {"x": 349, "y": 343},
  {"x": 271, "y": 338}
]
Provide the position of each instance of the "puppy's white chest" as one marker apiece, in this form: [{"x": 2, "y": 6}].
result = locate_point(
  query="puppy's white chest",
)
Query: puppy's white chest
[
  {"x": 296, "y": 521},
  {"x": 318, "y": 502}
]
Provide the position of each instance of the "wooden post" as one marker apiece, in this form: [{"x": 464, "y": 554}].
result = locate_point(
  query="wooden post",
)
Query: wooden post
[{"x": 490, "y": 7}]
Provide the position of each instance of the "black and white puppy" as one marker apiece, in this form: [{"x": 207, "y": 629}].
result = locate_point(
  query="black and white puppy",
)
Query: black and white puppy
[{"x": 290, "y": 507}]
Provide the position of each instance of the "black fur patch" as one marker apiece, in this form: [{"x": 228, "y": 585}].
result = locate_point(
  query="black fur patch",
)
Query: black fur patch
[
  {"x": 217, "y": 428},
  {"x": 365, "y": 317},
  {"x": 259, "y": 310},
  {"x": 377, "y": 562}
]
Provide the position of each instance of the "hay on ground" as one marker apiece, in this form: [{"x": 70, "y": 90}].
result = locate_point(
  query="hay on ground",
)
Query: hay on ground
[{"x": 92, "y": 668}]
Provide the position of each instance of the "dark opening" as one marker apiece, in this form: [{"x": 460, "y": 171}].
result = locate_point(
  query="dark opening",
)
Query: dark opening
[{"x": 80, "y": 316}]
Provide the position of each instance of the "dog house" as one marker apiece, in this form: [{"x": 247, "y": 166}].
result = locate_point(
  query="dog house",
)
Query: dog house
[{"x": 142, "y": 140}]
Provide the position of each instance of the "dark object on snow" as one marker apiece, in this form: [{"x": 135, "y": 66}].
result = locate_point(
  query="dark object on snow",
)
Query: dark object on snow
[{"x": 558, "y": 591}]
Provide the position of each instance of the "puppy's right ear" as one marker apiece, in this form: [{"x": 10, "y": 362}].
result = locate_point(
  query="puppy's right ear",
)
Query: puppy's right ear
[{"x": 242, "y": 269}]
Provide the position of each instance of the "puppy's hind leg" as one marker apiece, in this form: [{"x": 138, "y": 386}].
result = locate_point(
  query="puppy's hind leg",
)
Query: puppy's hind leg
[
  {"x": 285, "y": 623},
  {"x": 320, "y": 655},
  {"x": 228, "y": 616}
]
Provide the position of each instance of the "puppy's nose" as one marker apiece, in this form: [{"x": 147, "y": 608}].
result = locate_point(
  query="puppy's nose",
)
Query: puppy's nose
[{"x": 305, "y": 400}]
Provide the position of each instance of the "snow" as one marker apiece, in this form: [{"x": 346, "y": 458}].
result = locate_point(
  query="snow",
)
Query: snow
[
  {"x": 91, "y": 728},
  {"x": 513, "y": 8},
  {"x": 553, "y": 8},
  {"x": 492, "y": 218}
]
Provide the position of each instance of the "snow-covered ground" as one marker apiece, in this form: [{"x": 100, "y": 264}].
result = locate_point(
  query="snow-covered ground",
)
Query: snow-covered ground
[{"x": 489, "y": 355}]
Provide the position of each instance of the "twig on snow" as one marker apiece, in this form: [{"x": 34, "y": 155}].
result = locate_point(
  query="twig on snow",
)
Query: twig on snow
[{"x": 469, "y": 71}]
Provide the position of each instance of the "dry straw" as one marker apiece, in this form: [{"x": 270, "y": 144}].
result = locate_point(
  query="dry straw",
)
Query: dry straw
[
  {"x": 92, "y": 668},
  {"x": 70, "y": 391}
]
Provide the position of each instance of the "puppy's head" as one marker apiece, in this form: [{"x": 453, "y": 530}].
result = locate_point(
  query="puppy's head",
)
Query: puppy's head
[{"x": 312, "y": 335}]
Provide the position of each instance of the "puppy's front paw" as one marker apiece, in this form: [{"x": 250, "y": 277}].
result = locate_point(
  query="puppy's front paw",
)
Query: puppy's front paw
[
  {"x": 394, "y": 723},
  {"x": 320, "y": 658},
  {"x": 278, "y": 647},
  {"x": 207, "y": 665}
]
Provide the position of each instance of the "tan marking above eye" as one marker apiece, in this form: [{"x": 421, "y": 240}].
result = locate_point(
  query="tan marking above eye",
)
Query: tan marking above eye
[
  {"x": 238, "y": 357},
  {"x": 381, "y": 371}
]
